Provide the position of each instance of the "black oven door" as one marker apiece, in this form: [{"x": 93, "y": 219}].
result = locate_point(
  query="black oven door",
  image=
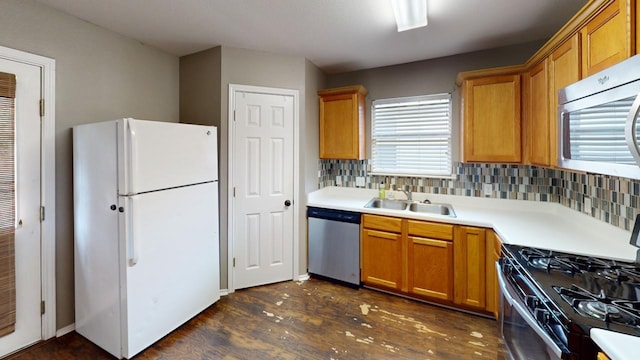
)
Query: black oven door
[{"x": 523, "y": 336}]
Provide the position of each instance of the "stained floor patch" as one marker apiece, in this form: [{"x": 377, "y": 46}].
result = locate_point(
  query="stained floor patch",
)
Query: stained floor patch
[{"x": 364, "y": 308}]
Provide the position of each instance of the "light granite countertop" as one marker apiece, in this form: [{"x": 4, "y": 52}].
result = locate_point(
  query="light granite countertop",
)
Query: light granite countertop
[{"x": 529, "y": 223}]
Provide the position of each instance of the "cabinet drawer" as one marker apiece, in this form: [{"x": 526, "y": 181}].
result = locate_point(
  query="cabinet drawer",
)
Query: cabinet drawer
[
  {"x": 431, "y": 230},
  {"x": 382, "y": 223}
]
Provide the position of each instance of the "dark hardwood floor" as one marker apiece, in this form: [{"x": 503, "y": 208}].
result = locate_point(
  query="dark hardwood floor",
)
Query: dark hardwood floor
[{"x": 313, "y": 319}]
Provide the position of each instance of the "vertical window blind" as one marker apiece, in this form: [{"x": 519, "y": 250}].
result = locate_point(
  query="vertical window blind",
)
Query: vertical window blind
[
  {"x": 597, "y": 133},
  {"x": 7, "y": 204},
  {"x": 412, "y": 136}
]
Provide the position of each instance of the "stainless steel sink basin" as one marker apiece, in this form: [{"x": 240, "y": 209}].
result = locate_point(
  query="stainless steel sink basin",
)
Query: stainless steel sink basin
[
  {"x": 386, "y": 204},
  {"x": 440, "y": 209},
  {"x": 414, "y": 206}
]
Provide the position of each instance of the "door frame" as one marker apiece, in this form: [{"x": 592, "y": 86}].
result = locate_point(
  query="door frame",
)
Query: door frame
[
  {"x": 233, "y": 88},
  {"x": 47, "y": 181}
]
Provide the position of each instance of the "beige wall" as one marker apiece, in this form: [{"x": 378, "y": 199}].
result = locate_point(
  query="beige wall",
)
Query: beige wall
[
  {"x": 430, "y": 77},
  {"x": 99, "y": 76},
  {"x": 255, "y": 68}
]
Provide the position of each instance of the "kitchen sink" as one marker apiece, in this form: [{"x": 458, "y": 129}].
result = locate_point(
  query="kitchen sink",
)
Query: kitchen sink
[
  {"x": 377, "y": 203},
  {"x": 440, "y": 209},
  {"x": 413, "y": 206}
]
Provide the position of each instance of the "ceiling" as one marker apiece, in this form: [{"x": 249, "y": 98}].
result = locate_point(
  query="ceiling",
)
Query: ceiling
[{"x": 336, "y": 35}]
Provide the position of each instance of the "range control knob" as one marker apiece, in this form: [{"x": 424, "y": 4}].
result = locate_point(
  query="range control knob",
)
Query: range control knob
[
  {"x": 542, "y": 315},
  {"x": 532, "y": 301}
]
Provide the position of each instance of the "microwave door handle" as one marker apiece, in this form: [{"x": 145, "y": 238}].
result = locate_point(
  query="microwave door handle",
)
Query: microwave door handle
[{"x": 629, "y": 130}]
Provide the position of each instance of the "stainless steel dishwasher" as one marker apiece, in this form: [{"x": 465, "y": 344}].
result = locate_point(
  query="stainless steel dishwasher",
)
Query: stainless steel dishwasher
[{"x": 334, "y": 244}]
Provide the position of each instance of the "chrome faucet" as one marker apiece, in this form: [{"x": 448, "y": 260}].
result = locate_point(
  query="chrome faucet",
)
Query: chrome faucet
[{"x": 408, "y": 194}]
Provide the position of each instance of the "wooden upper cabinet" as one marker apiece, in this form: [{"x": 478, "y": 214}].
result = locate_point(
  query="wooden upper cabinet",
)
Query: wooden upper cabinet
[
  {"x": 564, "y": 70},
  {"x": 539, "y": 124},
  {"x": 491, "y": 119},
  {"x": 637, "y": 17},
  {"x": 607, "y": 38},
  {"x": 342, "y": 123}
]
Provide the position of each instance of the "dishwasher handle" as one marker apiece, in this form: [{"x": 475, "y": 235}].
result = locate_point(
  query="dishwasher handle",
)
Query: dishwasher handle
[{"x": 335, "y": 215}]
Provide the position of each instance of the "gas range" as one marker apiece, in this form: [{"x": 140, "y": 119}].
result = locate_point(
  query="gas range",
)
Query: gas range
[{"x": 566, "y": 295}]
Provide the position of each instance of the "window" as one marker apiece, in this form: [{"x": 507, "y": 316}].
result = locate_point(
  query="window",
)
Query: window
[
  {"x": 411, "y": 136},
  {"x": 7, "y": 204}
]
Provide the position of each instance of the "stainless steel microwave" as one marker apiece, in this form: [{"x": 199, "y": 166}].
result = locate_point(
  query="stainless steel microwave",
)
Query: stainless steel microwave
[{"x": 598, "y": 115}]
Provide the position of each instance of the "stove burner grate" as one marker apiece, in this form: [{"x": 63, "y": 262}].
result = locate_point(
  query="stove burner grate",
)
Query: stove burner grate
[
  {"x": 572, "y": 264},
  {"x": 600, "y": 307}
]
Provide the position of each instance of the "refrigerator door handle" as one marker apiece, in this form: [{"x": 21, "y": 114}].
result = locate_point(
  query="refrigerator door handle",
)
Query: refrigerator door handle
[
  {"x": 133, "y": 245},
  {"x": 132, "y": 156}
]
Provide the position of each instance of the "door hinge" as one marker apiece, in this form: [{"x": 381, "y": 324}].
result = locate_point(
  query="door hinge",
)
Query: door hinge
[
  {"x": 42, "y": 307},
  {"x": 41, "y": 213},
  {"x": 41, "y": 107},
  {"x": 234, "y": 191},
  {"x": 234, "y": 262},
  {"x": 234, "y": 114}
]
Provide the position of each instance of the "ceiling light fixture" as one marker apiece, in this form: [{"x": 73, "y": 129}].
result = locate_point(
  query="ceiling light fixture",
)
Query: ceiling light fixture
[{"x": 410, "y": 14}]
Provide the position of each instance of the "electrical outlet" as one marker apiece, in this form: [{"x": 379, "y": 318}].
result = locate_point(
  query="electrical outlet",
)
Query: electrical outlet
[
  {"x": 587, "y": 205},
  {"x": 338, "y": 180},
  {"x": 360, "y": 181},
  {"x": 487, "y": 189}
]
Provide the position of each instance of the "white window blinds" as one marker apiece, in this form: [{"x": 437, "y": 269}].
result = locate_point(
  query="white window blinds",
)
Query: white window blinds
[
  {"x": 597, "y": 133},
  {"x": 7, "y": 204},
  {"x": 412, "y": 136}
]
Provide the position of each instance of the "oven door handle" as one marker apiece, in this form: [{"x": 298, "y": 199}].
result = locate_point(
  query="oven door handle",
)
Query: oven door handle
[{"x": 526, "y": 315}]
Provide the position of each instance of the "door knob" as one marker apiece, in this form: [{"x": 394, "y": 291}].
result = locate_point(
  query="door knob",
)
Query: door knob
[{"x": 287, "y": 203}]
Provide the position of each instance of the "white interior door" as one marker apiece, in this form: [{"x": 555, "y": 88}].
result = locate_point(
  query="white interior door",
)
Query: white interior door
[
  {"x": 27, "y": 237},
  {"x": 263, "y": 163}
]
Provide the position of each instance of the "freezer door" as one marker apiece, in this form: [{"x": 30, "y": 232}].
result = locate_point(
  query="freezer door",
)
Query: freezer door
[
  {"x": 157, "y": 155},
  {"x": 172, "y": 271}
]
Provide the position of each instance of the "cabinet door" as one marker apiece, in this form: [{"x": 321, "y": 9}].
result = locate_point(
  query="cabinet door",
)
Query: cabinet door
[
  {"x": 493, "y": 244},
  {"x": 431, "y": 268},
  {"x": 342, "y": 129},
  {"x": 606, "y": 39},
  {"x": 538, "y": 115},
  {"x": 564, "y": 69},
  {"x": 491, "y": 119},
  {"x": 382, "y": 259},
  {"x": 469, "y": 267}
]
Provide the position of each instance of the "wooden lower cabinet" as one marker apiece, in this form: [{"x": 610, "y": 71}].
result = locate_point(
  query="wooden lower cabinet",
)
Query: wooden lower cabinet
[
  {"x": 602, "y": 356},
  {"x": 493, "y": 252},
  {"x": 431, "y": 268},
  {"x": 381, "y": 259},
  {"x": 382, "y": 251},
  {"x": 469, "y": 250},
  {"x": 432, "y": 261}
]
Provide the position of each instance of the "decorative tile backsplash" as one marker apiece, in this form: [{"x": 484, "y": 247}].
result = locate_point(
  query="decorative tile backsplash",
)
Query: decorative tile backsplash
[{"x": 613, "y": 200}]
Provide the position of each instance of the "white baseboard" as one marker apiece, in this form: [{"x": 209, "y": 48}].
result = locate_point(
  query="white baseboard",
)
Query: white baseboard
[
  {"x": 224, "y": 292},
  {"x": 65, "y": 330},
  {"x": 303, "y": 277}
]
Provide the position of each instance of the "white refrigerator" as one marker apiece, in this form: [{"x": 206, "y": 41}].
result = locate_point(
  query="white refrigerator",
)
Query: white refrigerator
[{"x": 146, "y": 230}]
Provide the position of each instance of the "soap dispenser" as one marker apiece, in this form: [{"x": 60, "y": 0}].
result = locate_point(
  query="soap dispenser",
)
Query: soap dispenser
[{"x": 381, "y": 191}]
